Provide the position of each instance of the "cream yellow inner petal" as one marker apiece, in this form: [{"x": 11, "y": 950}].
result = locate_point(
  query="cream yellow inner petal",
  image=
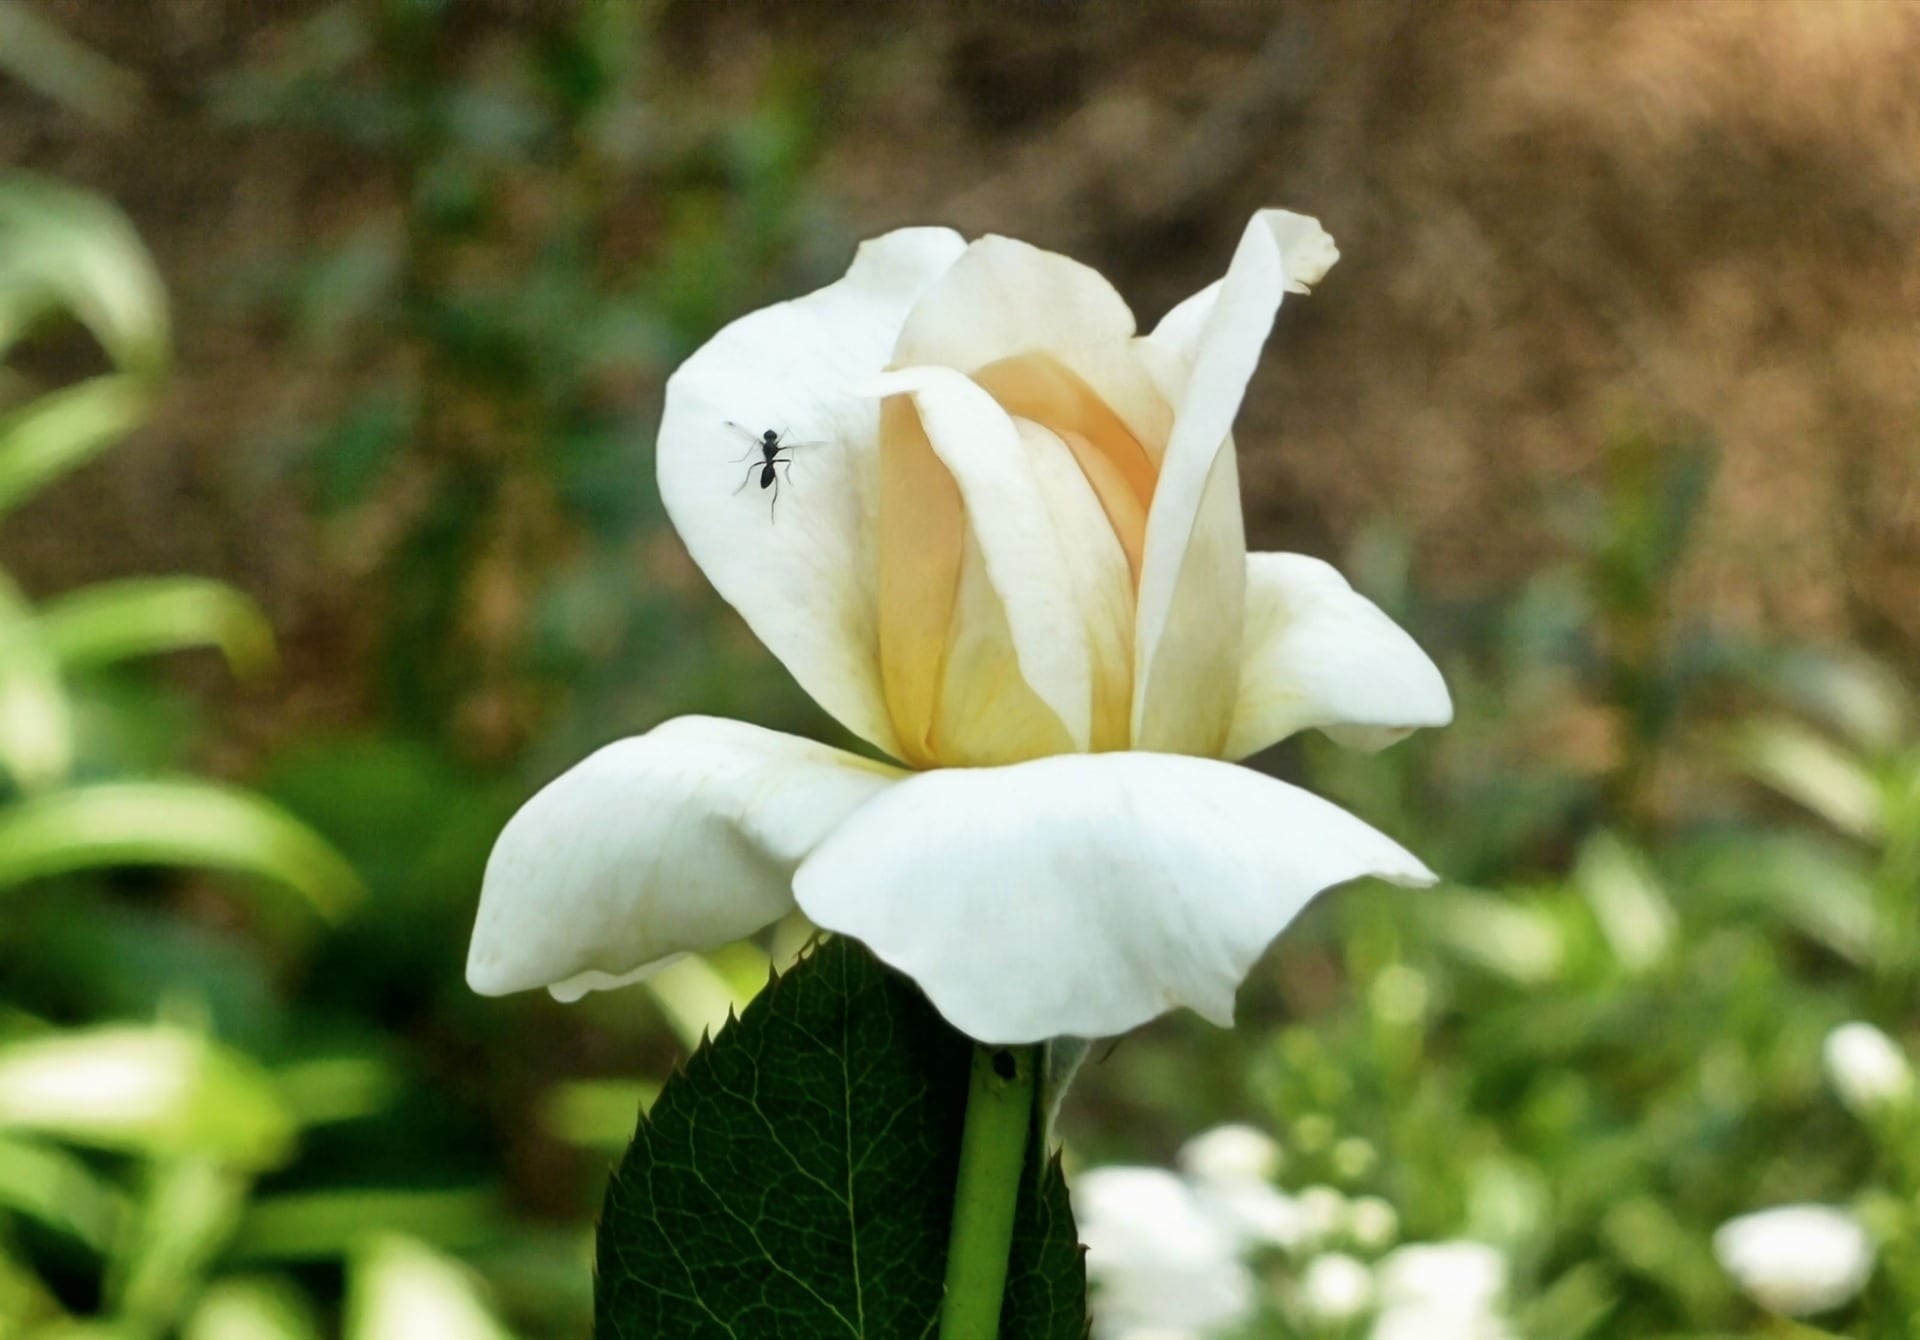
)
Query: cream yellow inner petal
[
  {"x": 1121, "y": 381},
  {"x": 1102, "y": 582},
  {"x": 987, "y": 715},
  {"x": 1040, "y": 388},
  {"x": 1126, "y": 513},
  {"x": 1185, "y": 704},
  {"x": 922, "y": 529}
]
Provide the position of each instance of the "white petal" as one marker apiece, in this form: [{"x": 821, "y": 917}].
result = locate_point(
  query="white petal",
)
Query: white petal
[
  {"x": 1184, "y": 682},
  {"x": 1307, "y": 252},
  {"x": 678, "y": 840},
  {"x": 1096, "y": 567},
  {"x": 1085, "y": 894},
  {"x": 1317, "y": 653},
  {"x": 1006, "y": 508},
  {"x": 1212, "y": 344},
  {"x": 1004, "y": 298},
  {"x": 801, "y": 573}
]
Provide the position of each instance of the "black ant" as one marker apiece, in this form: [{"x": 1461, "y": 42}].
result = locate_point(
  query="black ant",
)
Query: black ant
[{"x": 769, "y": 447}]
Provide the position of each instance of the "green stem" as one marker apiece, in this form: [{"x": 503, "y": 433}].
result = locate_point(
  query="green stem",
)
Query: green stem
[{"x": 993, "y": 1152}]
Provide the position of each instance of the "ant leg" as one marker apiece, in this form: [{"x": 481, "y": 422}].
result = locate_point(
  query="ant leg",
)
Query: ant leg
[
  {"x": 773, "y": 501},
  {"x": 749, "y": 479}
]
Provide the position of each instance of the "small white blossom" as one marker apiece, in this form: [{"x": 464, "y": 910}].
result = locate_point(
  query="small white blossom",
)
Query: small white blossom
[
  {"x": 1456, "y": 1275},
  {"x": 1325, "y": 1210},
  {"x": 1372, "y": 1223},
  {"x": 1867, "y": 1068},
  {"x": 1442, "y": 1291},
  {"x": 1160, "y": 1262},
  {"x": 1262, "y": 1216},
  {"x": 1231, "y": 1155},
  {"x": 1336, "y": 1288},
  {"x": 1416, "y": 1322},
  {"x": 1354, "y": 1158},
  {"x": 1796, "y": 1260}
]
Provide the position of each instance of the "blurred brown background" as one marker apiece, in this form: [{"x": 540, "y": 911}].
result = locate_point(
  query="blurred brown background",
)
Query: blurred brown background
[{"x": 1557, "y": 221}]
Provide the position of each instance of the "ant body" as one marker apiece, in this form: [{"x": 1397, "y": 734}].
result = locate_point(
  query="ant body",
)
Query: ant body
[{"x": 772, "y": 449}]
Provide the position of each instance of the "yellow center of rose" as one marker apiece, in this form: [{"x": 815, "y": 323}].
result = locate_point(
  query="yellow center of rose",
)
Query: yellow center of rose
[{"x": 952, "y": 682}]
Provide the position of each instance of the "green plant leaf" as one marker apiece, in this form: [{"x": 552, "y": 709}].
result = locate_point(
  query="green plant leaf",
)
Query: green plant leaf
[
  {"x": 65, "y": 429},
  {"x": 41, "y": 56},
  {"x": 796, "y": 1180},
  {"x": 187, "y": 1215},
  {"x": 326, "y": 1225},
  {"x": 144, "y": 616},
  {"x": 65, "y": 248},
  {"x": 401, "y": 1286},
  {"x": 1047, "y": 1277},
  {"x": 159, "y": 1091},
  {"x": 252, "y": 1308},
  {"x": 176, "y": 822},
  {"x": 36, "y": 719},
  {"x": 58, "y": 1189}
]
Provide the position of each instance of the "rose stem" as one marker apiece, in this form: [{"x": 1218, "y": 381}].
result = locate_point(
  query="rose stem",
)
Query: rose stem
[{"x": 993, "y": 1153}]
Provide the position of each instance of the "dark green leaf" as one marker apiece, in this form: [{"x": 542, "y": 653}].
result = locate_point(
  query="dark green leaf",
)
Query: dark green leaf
[
  {"x": 797, "y": 1179},
  {"x": 1047, "y": 1278}
]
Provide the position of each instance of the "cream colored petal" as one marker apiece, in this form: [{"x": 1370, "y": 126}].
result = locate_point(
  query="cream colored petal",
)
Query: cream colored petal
[
  {"x": 922, "y": 540},
  {"x": 1121, "y": 467},
  {"x": 802, "y": 574},
  {"x": 679, "y": 840},
  {"x": 1084, "y": 895},
  {"x": 1319, "y": 654},
  {"x": 1306, "y": 254},
  {"x": 1004, "y": 298},
  {"x": 1008, "y": 517},
  {"x": 987, "y": 713},
  {"x": 1192, "y": 663},
  {"x": 1187, "y": 639},
  {"x": 1098, "y": 569},
  {"x": 1115, "y": 374}
]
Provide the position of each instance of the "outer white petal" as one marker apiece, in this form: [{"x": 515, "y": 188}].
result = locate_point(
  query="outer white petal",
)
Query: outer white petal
[
  {"x": 1084, "y": 894},
  {"x": 1212, "y": 345},
  {"x": 1007, "y": 511},
  {"x": 1317, "y": 653},
  {"x": 801, "y": 574},
  {"x": 1006, "y": 297},
  {"x": 1306, "y": 254},
  {"x": 678, "y": 840}
]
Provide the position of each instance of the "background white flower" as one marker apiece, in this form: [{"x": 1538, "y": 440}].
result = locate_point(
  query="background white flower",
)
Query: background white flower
[
  {"x": 1157, "y": 1259},
  {"x": 1797, "y": 1259},
  {"x": 1867, "y": 1068},
  {"x": 1442, "y": 1291},
  {"x": 1372, "y": 1223},
  {"x": 1336, "y": 1288},
  {"x": 1230, "y": 1155}
]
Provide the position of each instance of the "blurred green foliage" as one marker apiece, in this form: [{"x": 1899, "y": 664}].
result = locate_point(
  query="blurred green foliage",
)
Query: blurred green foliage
[
  {"x": 280, "y": 1122},
  {"x": 253, "y": 1097}
]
